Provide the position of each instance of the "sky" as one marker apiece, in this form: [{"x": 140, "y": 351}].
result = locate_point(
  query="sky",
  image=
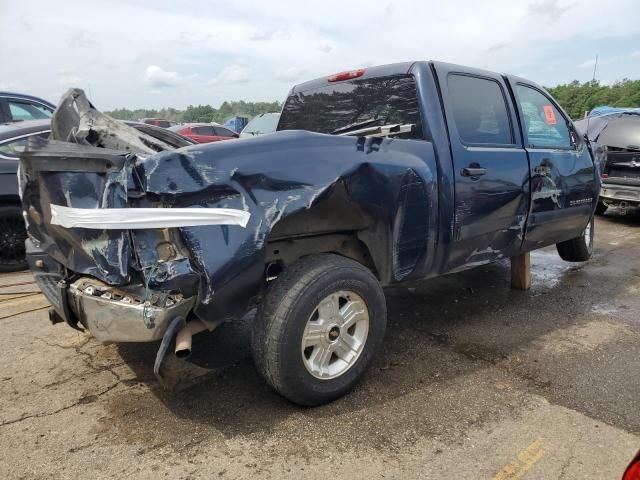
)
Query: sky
[{"x": 161, "y": 53}]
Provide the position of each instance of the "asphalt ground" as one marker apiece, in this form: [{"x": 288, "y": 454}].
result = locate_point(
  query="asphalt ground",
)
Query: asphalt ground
[{"x": 475, "y": 381}]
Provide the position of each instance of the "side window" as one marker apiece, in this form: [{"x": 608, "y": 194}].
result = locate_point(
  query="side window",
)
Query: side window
[
  {"x": 544, "y": 126},
  {"x": 223, "y": 132},
  {"x": 13, "y": 148},
  {"x": 203, "y": 130},
  {"x": 479, "y": 110},
  {"x": 22, "y": 110}
]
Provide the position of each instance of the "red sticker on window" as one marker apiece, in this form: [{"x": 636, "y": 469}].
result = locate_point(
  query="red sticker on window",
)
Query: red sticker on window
[{"x": 549, "y": 115}]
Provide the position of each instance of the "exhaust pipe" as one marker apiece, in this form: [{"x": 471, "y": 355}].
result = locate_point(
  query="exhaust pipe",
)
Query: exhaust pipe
[{"x": 185, "y": 337}]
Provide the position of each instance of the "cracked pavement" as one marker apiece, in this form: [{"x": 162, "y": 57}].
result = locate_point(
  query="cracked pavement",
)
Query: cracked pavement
[{"x": 475, "y": 381}]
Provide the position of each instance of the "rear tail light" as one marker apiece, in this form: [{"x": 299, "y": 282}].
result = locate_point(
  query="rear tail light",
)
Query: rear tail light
[
  {"x": 633, "y": 470},
  {"x": 339, "y": 77},
  {"x": 604, "y": 175}
]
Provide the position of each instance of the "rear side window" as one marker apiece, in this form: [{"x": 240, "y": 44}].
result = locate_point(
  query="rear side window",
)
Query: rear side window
[
  {"x": 390, "y": 100},
  {"x": 544, "y": 125},
  {"x": 479, "y": 110},
  {"x": 205, "y": 130},
  {"x": 223, "y": 132},
  {"x": 24, "y": 110}
]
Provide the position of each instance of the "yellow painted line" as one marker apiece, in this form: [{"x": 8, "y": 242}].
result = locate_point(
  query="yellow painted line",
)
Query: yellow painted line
[{"x": 525, "y": 460}]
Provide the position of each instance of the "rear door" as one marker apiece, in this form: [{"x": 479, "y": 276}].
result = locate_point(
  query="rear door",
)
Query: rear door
[
  {"x": 564, "y": 187},
  {"x": 490, "y": 164}
]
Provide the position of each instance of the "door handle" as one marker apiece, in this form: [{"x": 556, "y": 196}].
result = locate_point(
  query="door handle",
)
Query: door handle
[{"x": 473, "y": 171}]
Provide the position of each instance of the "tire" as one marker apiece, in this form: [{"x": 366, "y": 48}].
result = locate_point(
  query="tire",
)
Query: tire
[
  {"x": 334, "y": 305},
  {"x": 578, "y": 249},
  {"x": 601, "y": 208},
  {"x": 13, "y": 234}
]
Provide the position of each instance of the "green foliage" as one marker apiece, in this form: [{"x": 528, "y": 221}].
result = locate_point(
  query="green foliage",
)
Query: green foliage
[
  {"x": 577, "y": 98},
  {"x": 200, "y": 113}
]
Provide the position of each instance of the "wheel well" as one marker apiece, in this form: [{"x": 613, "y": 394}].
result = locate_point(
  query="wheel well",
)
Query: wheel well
[{"x": 283, "y": 252}]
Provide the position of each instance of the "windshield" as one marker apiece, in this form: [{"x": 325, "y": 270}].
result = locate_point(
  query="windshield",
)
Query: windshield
[
  {"x": 262, "y": 124},
  {"x": 391, "y": 100}
]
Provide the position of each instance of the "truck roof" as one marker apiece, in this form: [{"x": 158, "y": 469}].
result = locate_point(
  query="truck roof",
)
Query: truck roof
[
  {"x": 400, "y": 69},
  {"x": 376, "y": 71}
]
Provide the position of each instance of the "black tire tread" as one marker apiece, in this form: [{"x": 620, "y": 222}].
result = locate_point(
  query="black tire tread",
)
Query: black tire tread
[
  {"x": 272, "y": 313},
  {"x": 17, "y": 266},
  {"x": 575, "y": 250},
  {"x": 601, "y": 208}
]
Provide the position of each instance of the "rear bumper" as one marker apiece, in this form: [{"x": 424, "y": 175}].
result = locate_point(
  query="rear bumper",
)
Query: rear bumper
[
  {"x": 612, "y": 193},
  {"x": 111, "y": 314},
  {"x": 115, "y": 315}
]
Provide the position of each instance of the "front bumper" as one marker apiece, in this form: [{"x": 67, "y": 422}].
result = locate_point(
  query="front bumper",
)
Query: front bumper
[
  {"x": 613, "y": 194},
  {"x": 111, "y": 314}
]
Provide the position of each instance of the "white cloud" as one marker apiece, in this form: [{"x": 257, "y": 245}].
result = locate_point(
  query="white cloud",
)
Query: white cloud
[
  {"x": 158, "y": 77},
  {"x": 234, "y": 74},
  {"x": 270, "y": 34},
  {"x": 588, "y": 63},
  {"x": 551, "y": 9},
  {"x": 10, "y": 86},
  {"x": 290, "y": 74}
]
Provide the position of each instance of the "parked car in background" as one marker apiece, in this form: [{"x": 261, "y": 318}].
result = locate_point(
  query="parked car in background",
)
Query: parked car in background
[
  {"x": 18, "y": 107},
  {"x": 158, "y": 122},
  {"x": 261, "y": 124},
  {"x": 14, "y": 136},
  {"x": 204, "y": 132},
  {"x": 236, "y": 123},
  {"x": 615, "y": 137}
]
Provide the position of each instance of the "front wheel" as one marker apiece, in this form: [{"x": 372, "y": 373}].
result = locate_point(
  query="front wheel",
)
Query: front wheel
[
  {"x": 318, "y": 328},
  {"x": 601, "y": 208},
  {"x": 578, "y": 249}
]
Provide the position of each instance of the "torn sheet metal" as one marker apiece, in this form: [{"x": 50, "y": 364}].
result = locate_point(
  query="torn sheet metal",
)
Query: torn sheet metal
[
  {"x": 138, "y": 218},
  {"x": 77, "y": 120}
]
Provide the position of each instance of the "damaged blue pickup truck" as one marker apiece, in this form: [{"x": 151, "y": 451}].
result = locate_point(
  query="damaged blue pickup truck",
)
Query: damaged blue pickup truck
[{"x": 375, "y": 177}]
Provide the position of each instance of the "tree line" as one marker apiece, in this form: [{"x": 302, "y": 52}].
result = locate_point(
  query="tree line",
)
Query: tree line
[
  {"x": 575, "y": 97},
  {"x": 199, "y": 113}
]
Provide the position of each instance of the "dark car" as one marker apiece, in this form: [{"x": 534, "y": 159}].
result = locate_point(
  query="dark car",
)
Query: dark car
[
  {"x": 158, "y": 122},
  {"x": 376, "y": 177},
  {"x": 19, "y": 107},
  {"x": 615, "y": 135},
  {"x": 204, "y": 132},
  {"x": 13, "y": 137}
]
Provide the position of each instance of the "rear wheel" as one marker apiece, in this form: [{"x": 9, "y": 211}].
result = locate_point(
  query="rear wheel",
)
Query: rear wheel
[
  {"x": 601, "y": 208},
  {"x": 578, "y": 249},
  {"x": 318, "y": 328},
  {"x": 12, "y": 237}
]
